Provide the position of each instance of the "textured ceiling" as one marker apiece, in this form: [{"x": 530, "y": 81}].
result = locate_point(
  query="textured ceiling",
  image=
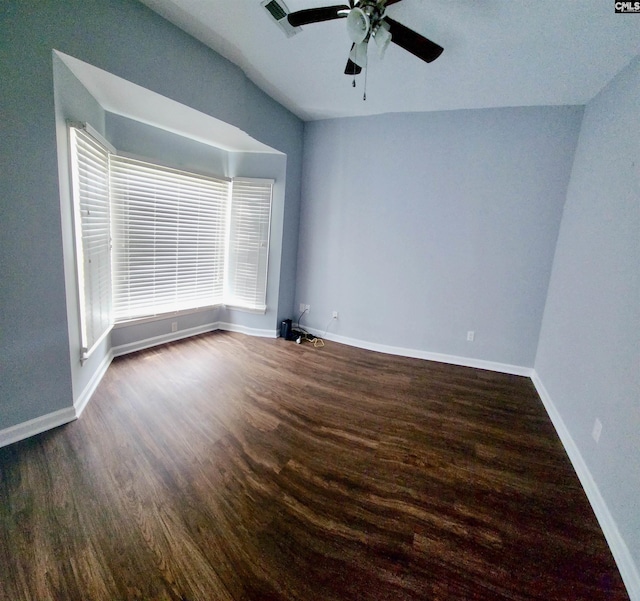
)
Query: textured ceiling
[{"x": 496, "y": 53}]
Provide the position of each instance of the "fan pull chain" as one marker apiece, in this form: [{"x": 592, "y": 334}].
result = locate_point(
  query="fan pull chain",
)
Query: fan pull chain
[{"x": 366, "y": 72}]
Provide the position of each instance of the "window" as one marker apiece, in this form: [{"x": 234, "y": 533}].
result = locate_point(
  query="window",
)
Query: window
[
  {"x": 181, "y": 240},
  {"x": 92, "y": 224},
  {"x": 169, "y": 230},
  {"x": 248, "y": 253}
]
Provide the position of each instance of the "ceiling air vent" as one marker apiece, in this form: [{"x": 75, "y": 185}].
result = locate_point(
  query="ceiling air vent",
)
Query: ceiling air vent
[{"x": 279, "y": 11}]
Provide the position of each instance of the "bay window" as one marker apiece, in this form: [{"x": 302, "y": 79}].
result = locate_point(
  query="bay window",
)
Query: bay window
[{"x": 154, "y": 240}]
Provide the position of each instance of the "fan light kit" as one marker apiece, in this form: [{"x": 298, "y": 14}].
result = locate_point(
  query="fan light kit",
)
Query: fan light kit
[
  {"x": 358, "y": 25},
  {"x": 366, "y": 19}
]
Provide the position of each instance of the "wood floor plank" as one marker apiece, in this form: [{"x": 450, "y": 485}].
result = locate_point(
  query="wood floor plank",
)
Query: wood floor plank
[{"x": 244, "y": 469}]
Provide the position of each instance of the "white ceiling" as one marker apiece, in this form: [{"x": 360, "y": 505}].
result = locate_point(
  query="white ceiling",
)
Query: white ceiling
[{"x": 496, "y": 53}]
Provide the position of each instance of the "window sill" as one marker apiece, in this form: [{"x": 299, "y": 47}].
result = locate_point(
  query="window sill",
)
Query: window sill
[{"x": 151, "y": 318}]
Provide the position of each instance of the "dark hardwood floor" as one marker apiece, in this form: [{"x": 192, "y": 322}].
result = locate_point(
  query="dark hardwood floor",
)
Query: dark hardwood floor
[{"x": 234, "y": 468}]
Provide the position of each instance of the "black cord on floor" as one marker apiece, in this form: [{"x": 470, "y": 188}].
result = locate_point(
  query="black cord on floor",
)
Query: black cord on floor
[{"x": 305, "y": 336}]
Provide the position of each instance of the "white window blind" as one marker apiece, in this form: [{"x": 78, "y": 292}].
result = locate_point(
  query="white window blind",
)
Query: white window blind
[
  {"x": 92, "y": 223},
  {"x": 248, "y": 247},
  {"x": 169, "y": 230}
]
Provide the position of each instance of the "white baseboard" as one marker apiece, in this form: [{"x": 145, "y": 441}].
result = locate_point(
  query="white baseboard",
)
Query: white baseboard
[
  {"x": 504, "y": 368},
  {"x": 36, "y": 426},
  {"x": 234, "y": 327},
  {"x": 81, "y": 402},
  {"x": 619, "y": 549}
]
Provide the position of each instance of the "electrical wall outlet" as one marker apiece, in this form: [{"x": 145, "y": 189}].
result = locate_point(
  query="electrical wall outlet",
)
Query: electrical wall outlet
[
  {"x": 174, "y": 326},
  {"x": 334, "y": 315},
  {"x": 597, "y": 430},
  {"x": 471, "y": 336},
  {"x": 304, "y": 308}
]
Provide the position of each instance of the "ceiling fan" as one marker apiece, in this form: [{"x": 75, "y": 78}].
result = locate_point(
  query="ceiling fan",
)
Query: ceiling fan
[{"x": 366, "y": 20}]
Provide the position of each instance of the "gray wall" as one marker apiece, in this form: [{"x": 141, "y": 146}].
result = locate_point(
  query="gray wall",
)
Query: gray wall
[
  {"x": 420, "y": 227},
  {"x": 589, "y": 353},
  {"x": 124, "y": 38}
]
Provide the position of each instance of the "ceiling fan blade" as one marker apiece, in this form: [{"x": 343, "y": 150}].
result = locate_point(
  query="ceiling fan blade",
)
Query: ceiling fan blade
[
  {"x": 413, "y": 42},
  {"x": 317, "y": 15},
  {"x": 390, "y": 2},
  {"x": 352, "y": 68}
]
